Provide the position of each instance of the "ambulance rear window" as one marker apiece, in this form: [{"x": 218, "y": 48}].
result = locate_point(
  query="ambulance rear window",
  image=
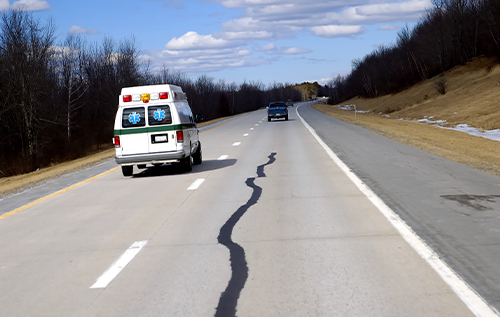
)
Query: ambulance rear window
[
  {"x": 133, "y": 117},
  {"x": 159, "y": 115}
]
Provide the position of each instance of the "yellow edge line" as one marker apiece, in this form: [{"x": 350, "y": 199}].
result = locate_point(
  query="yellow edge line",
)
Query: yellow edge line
[{"x": 15, "y": 211}]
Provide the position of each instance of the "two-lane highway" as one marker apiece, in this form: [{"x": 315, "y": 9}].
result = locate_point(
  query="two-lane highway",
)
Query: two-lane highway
[{"x": 268, "y": 225}]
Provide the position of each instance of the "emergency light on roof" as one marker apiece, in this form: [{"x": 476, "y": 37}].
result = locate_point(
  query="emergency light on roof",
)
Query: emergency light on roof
[{"x": 145, "y": 98}]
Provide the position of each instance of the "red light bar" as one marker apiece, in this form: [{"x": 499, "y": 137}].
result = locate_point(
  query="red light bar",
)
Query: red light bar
[
  {"x": 163, "y": 95},
  {"x": 127, "y": 98}
]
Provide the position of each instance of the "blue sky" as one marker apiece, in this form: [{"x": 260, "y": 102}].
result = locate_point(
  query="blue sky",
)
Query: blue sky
[{"x": 255, "y": 40}]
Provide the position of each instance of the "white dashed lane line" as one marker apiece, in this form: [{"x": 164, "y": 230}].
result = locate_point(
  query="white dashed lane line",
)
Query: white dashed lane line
[
  {"x": 196, "y": 184},
  {"x": 246, "y": 134},
  {"x": 256, "y": 124},
  {"x": 251, "y": 129},
  {"x": 119, "y": 265},
  {"x": 222, "y": 157},
  {"x": 236, "y": 143}
]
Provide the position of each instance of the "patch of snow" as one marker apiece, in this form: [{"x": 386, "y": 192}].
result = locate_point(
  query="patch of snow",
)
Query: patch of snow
[
  {"x": 437, "y": 122},
  {"x": 350, "y": 108},
  {"x": 465, "y": 128},
  {"x": 487, "y": 134}
]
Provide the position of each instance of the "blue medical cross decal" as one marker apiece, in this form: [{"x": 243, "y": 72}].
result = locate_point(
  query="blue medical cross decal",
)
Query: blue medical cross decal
[
  {"x": 159, "y": 114},
  {"x": 134, "y": 118}
]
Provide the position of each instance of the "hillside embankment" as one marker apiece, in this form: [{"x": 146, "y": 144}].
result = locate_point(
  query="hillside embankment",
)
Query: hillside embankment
[{"x": 472, "y": 97}]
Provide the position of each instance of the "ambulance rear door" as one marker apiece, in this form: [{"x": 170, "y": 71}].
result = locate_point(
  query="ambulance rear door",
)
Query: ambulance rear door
[
  {"x": 133, "y": 135},
  {"x": 161, "y": 131}
]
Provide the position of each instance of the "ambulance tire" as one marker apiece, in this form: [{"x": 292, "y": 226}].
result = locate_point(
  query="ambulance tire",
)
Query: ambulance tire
[
  {"x": 197, "y": 157},
  {"x": 127, "y": 170},
  {"x": 187, "y": 164}
]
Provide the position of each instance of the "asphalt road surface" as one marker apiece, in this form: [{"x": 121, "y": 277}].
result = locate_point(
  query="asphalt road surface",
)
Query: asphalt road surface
[{"x": 268, "y": 225}]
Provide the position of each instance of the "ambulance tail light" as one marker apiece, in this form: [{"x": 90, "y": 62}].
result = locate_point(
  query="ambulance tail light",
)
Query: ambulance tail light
[
  {"x": 163, "y": 95},
  {"x": 127, "y": 98},
  {"x": 116, "y": 141},
  {"x": 180, "y": 136}
]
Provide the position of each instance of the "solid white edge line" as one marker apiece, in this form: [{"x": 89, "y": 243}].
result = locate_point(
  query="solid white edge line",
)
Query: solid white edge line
[
  {"x": 474, "y": 301},
  {"x": 222, "y": 157},
  {"x": 196, "y": 184},
  {"x": 115, "y": 268}
]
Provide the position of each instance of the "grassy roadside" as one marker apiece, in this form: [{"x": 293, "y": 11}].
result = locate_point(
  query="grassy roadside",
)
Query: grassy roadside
[
  {"x": 20, "y": 182},
  {"x": 476, "y": 152}
]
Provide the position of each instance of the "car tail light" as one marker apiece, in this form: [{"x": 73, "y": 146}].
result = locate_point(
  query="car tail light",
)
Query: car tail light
[
  {"x": 116, "y": 141},
  {"x": 180, "y": 136}
]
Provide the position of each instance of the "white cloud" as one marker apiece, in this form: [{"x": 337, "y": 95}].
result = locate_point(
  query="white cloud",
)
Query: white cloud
[
  {"x": 265, "y": 48},
  {"x": 388, "y": 27},
  {"x": 244, "y": 35},
  {"x": 204, "y": 60},
  {"x": 76, "y": 29},
  {"x": 192, "y": 40},
  {"x": 337, "y": 30},
  {"x": 295, "y": 51},
  {"x": 394, "y": 8},
  {"x": 273, "y": 20},
  {"x": 383, "y": 12},
  {"x": 284, "y": 18},
  {"x": 27, "y": 5},
  {"x": 4, "y": 5}
]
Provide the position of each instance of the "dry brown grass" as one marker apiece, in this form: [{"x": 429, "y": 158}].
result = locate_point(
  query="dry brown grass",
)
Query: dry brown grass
[
  {"x": 473, "y": 97},
  {"x": 9, "y": 184}
]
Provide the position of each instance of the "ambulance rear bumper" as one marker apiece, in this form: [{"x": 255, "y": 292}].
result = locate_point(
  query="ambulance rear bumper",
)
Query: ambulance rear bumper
[{"x": 151, "y": 158}]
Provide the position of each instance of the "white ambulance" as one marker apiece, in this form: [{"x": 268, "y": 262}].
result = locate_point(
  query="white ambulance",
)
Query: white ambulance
[{"x": 154, "y": 125}]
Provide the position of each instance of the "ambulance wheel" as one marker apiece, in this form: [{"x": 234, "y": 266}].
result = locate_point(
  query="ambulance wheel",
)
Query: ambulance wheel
[
  {"x": 187, "y": 164},
  {"x": 197, "y": 157},
  {"x": 127, "y": 170}
]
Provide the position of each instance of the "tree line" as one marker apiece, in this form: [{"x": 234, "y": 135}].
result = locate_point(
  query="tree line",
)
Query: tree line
[
  {"x": 450, "y": 34},
  {"x": 58, "y": 100}
]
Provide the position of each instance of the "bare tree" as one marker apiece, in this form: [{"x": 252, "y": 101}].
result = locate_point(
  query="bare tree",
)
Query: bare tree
[{"x": 73, "y": 80}]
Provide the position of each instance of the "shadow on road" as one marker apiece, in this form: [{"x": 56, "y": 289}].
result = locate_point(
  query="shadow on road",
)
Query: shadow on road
[{"x": 173, "y": 169}]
